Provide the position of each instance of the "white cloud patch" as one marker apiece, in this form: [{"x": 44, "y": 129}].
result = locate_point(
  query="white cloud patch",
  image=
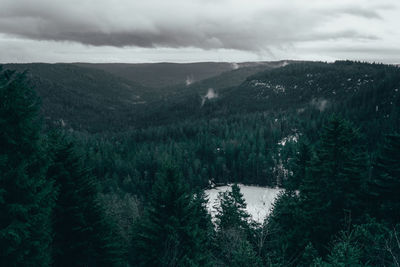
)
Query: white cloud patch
[
  {"x": 235, "y": 65},
  {"x": 189, "y": 80},
  {"x": 320, "y": 104},
  {"x": 211, "y": 94}
]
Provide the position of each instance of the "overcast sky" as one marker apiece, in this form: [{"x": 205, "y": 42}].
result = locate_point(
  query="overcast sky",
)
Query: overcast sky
[{"x": 198, "y": 30}]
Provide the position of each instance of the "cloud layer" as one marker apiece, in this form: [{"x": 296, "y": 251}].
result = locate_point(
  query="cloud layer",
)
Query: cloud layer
[{"x": 268, "y": 29}]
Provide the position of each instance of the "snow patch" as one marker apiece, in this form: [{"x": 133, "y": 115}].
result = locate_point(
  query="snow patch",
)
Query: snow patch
[
  {"x": 293, "y": 138},
  {"x": 277, "y": 88},
  {"x": 259, "y": 200}
]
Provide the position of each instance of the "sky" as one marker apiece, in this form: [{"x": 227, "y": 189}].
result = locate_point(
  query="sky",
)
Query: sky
[{"x": 198, "y": 30}]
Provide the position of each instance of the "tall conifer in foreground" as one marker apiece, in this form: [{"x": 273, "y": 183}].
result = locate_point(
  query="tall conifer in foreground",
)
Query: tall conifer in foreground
[
  {"x": 231, "y": 211},
  {"x": 385, "y": 186},
  {"x": 334, "y": 188},
  {"x": 171, "y": 232},
  {"x": 234, "y": 232},
  {"x": 26, "y": 198},
  {"x": 82, "y": 234},
  {"x": 300, "y": 165}
]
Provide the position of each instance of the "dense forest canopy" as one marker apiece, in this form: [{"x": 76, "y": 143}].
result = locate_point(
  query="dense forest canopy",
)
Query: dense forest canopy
[{"x": 105, "y": 171}]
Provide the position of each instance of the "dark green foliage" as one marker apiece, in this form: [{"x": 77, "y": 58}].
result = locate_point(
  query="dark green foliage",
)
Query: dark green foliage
[
  {"x": 300, "y": 165},
  {"x": 83, "y": 236},
  {"x": 234, "y": 231},
  {"x": 123, "y": 209},
  {"x": 239, "y": 149},
  {"x": 378, "y": 244},
  {"x": 26, "y": 197},
  {"x": 244, "y": 135},
  {"x": 334, "y": 187},
  {"x": 345, "y": 252},
  {"x": 368, "y": 244},
  {"x": 385, "y": 185},
  {"x": 331, "y": 197},
  {"x": 231, "y": 210},
  {"x": 235, "y": 250},
  {"x": 309, "y": 257},
  {"x": 173, "y": 230},
  {"x": 288, "y": 230}
]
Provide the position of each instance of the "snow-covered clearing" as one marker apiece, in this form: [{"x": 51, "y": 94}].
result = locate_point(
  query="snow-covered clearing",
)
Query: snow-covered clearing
[{"x": 259, "y": 200}]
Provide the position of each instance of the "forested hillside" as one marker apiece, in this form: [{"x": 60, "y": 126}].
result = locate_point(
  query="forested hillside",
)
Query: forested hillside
[
  {"x": 159, "y": 75},
  {"x": 112, "y": 97},
  {"x": 104, "y": 171}
]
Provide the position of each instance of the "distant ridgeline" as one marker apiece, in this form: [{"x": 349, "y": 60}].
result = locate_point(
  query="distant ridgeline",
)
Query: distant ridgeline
[
  {"x": 240, "y": 125},
  {"x": 104, "y": 97}
]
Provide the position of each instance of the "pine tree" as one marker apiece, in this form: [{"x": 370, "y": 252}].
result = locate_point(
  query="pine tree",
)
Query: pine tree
[
  {"x": 82, "y": 234},
  {"x": 288, "y": 230},
  {"x": 26, "y": 197},
  {"x": 206, "y": 227},
  {"x": 231, "y": 211},
  {"x": 234, "y": 231},
  {"x": 385, "y": 186},
  {"x": 345, "y": 252},
  {"x": 309, "y": 256},
  {"x": 300, "y": 165},
  {"x": 172, "y": 231},
  {"x": 235, "y": 250},
  {"x": 334, "y": 187}
]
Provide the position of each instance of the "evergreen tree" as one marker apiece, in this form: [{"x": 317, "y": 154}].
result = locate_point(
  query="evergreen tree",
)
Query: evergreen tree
[
  {"x": 235, "y": 250},
  {"x": 231, "y": 211},
  {"x": 171, "y": 232},
  {"x": 385, "y": 186},
  {"x": 234, "y": 236},
  {"x": 206, "y": 227},
  {"x": 288, "y": 231},
  {"x": 309, "y": 256},
  {"x": 334, "y": 188},
  {"x": 344, "y": 253},
  {"x": 82, "y": 234},
  {"x": 26, "y": 197},
  {"x": 377, "y": 242},
  {"x": 300, "y": 165}
]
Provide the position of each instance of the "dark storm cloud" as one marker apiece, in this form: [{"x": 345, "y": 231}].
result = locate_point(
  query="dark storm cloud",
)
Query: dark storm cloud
[
  {"x": 216, "y": 24},
  {"x": 197, "y": 30}
]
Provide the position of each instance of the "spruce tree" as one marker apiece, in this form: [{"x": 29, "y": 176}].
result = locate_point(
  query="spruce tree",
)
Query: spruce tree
[
  {"x": 234, "y": 249},
  {"x": 334, "y": 187},
  {"x": 288, "y": 230},
  {"x": 345, "y": 252},
  {"x": 385, "y": 185},
  {"x": 300, "y": 165},
  {"x": 83, "y": 236},
  {"x": 172, "y": 231},
  {"x": 231, "y": 211},
  {"x": 234, "y": 231},
  {"x": 26, "y": 197}
]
